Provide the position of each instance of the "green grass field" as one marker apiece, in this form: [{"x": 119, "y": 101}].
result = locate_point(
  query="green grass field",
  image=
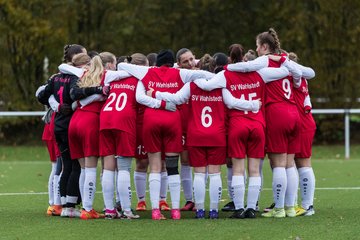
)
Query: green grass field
[{"x": 23, "y": 182}]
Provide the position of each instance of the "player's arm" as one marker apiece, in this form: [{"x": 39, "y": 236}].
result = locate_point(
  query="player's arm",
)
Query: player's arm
[
  {"x": 234, "y": 103},
  {"x": 111, "y": 76},
  {"x": 135, "y": 70},
  {"x": 218, "y": 81},
  {"x": 68, "y": 69},
  {"x": 78, "y": 93},
  {"x": 250, "y": 66},
  {"x": 177, "y": 98},
  {"x": 306, "y": 72},
  {"x": 150, "y": 102},
  {"x": 187, "y": 75},
  {"x": 270, "y": 74},
  {"x": 54, "y": 105}
]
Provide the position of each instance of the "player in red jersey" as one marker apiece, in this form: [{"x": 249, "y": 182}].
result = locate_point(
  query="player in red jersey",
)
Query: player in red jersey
[
  {"x": 185, "y": 59},
  {"x": 206, "y": 138},
  {"x": 303, "y": 158},
  {"x": 161, "y": 129}
]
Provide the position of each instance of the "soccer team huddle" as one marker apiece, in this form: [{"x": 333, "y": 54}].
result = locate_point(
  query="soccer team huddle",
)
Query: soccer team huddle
[{"x": 162, "y": 109}]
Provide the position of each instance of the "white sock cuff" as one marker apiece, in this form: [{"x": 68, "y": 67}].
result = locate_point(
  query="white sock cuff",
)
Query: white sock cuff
[
  {"x": 279, "y": 170},
  {"x": 237, "y": 181},
  {"x": 254, "y": 181},
  {"x": 90, "y": 171},
  {"x": 154, "y": 177},
  {"x": 174, "y": 178},
  {"x": 304, "y": 170},
  {"x": 202, "y": 175},
  {"x": 139, "y": 175}
]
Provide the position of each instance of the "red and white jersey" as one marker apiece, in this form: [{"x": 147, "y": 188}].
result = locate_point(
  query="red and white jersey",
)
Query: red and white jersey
[
  {"x": 280, "y": 90},
  {"x": 119, "y": 110},
  {"x": 206, "y": 126},
  {"x": 246, "y": 86},
  {"x": 303, "y": 104}
]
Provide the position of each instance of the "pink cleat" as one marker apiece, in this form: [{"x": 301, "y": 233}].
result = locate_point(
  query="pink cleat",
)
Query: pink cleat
[
  {"x": 156, "y": 215},
  {"x": 175, "y": 214}
]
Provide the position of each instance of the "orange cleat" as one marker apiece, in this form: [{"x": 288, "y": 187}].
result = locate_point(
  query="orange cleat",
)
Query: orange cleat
[
  {"x": 92, "y": 214},
  {"x": 164, "y": 206},
  {"x": 50, "y": 210},
  {"x": 141, "y": 206},
  {"x": 56, "y": 210}
]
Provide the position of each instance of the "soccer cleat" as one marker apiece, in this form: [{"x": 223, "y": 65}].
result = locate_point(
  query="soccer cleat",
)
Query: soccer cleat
[
  {"x": 156, "y": 215},
  {"x": 129, "y": 215},
  {"x": 299, "y": 210},
  {"x": 164, "y": 206},
  {"x": 250, "y": 213},
  {"x": 73, "y": 212},
  {"x": 189, "y": 205},
  {"x": 268, "y": 209},
  {"x": 214, "y": 214},
  {"x": 141, "y": 206},
  {"x": 275, "y": 213},
  {"x": 92, "y": 214},
  {"x": 229, "y": 207},
  {"x": 118, "y": 206},
  {"x": 49, "y": 210},
  {"x": 175, "y": 214},
  {"x": 111, "y": 214},
  {"x": 200, "y": 214},
  {"x": 64, "y": 212},
  {"x": 238, "y": 214},
  {"x": 57, "y": 209},
  {"x": 290, "y": 211},
  {"x": 310, "y": 211}
]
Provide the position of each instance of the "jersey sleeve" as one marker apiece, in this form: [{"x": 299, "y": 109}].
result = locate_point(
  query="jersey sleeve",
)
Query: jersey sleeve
[
  {"x": 306, "y": 72},
  {"x": 177, "y": 98},
  {"x": 218, "y": 81},
  {"x": 135, "y": 70},
  {"x": 270, "y": 74},
  {"x": 187, "y": 75},
  {"x": 54, "y": 105},
  {"x": 145, "y": 100},
  {"x": 68, "y": 69},
  {"x": 250, "y": 66},
  {"x": 294, "y": 71},
  {"x": 111, "y": 76},
  {"x": 234, "y": 103},
  {"x": 91, "y": 99}
]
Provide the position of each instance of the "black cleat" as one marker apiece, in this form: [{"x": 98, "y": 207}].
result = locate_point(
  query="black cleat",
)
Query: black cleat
[
  {"x": 239, "y": 214},
  {"x": 250, "y": 213},
  {"x": 268, "y": 209},
  {"x": 229, "y": 207}
]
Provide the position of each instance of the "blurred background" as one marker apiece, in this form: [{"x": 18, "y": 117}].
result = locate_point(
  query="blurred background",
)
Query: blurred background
[{"x": 323, "y": 33}]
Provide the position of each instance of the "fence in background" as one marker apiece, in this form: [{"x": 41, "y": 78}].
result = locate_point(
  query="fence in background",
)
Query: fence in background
[{"x": 345, "y": 112}]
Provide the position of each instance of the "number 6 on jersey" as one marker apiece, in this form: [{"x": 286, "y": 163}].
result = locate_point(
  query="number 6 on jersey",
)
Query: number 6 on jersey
[{"x": 206, "y": 119}]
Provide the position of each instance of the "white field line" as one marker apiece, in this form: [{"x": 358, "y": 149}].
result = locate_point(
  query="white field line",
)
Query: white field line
[{"x": 98, "y": 192}]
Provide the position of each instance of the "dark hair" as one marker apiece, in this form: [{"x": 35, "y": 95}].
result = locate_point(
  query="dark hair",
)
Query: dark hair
[
  {"x": 70, "y": 50},
  {"x": 165, "y": 57},
  {"x": 236, "y": 53},
  {"x": 93, "y": 53},
  {"x": 221, "y": 59},
  {"x": 250, "y": 55},
  {"x": 120, "y": 59},
  {"x": 152, "y": 58},
  {"x": 271, "y": 38},
  {"x": 181, "y": 52}
]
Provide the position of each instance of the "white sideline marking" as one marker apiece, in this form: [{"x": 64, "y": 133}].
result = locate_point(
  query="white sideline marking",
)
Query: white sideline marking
[{"x": 265, "y": 189}]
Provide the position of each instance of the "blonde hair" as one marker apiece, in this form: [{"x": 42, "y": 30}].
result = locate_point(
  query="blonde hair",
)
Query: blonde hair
[
  {"x": 80, "y": 59},
  {"x": 137, "y": 59},
  {"x": 93, "y": 75}
]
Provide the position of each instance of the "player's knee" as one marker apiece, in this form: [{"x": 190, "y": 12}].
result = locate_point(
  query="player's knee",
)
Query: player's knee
[
  {"x": 124, "y": 163},
  {"x": 172, "y": 165}
]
